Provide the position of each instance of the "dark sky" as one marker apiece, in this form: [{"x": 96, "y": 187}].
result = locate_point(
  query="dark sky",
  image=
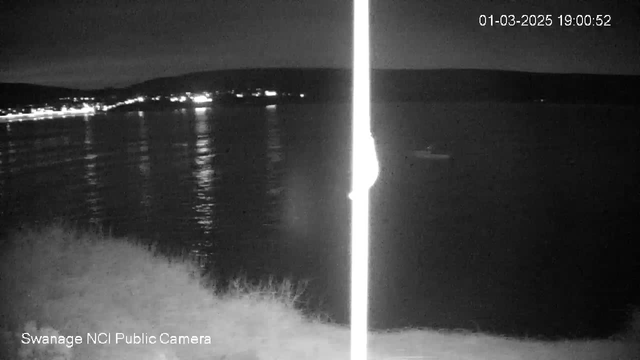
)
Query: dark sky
[{"x": 93, "y": 44}]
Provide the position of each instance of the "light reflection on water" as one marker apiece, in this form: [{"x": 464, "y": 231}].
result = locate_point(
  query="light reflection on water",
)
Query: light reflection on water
[
  {"x": 12, "y": 150},
  {"x": 274, "y": 166},
  {"x": 9, "y": 146},
  {"x": 204, "y": 171},
  {"x": 92, "y": 196},
  {"x": 144, "y": 166}
]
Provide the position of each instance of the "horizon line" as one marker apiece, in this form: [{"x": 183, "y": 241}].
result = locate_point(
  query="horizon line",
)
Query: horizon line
[{"x": 314, "y": 68}]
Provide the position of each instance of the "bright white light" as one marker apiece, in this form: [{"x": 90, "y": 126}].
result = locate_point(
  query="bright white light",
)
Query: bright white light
[
  {"x": 140, "y": 99},
  {"x": 271, "y": 107},
  {"x": 239, "y": 95},
  {"x": 174, "y": 99},
  {"x": 301, "y": 95},
  {"x": 201, "y": 99},
  {"x": 39, "y": 113},
  {"x": 183, "y": 98},
  {"x": 270, "y": 93},
  {"x": 364, "y": 174}
]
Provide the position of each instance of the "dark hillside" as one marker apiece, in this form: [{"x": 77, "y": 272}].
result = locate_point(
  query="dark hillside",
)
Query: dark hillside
[{"x": 322, "y": 85}]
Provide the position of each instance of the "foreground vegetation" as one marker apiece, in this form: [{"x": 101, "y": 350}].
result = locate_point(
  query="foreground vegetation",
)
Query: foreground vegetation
[{"x": 68, "y": 286}]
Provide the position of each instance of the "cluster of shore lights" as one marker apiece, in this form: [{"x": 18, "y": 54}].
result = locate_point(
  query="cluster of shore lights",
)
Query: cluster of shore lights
[
  {"x": 196, "y": 98},
  {"x": 138, "y": 99},
  {"x": 43, "y": 113},
  {"x": 76, "y": 99},
  {"x": 267, "y": 93}
]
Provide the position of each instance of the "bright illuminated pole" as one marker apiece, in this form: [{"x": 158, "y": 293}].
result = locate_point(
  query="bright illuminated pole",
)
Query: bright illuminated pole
[{"x": 364, "y": 174}]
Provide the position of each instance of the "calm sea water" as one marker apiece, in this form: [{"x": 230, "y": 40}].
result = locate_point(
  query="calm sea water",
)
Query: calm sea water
[{"x": 528, "y": 229}]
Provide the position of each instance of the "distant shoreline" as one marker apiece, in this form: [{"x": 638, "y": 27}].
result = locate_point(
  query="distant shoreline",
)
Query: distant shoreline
[
  {"x": 335, "y": 85},
  {"x": 167, "y": 105},
  {"x": 257, "y": 104}
]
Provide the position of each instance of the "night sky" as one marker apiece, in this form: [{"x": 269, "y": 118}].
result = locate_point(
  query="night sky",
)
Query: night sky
[{"x": 93, "y": 44}]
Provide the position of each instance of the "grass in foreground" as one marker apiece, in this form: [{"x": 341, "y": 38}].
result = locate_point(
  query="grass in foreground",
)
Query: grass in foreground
[{"x": 59, "y": 282}]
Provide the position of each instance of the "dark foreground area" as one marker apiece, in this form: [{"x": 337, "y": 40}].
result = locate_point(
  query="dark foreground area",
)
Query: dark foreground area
[{"x": 69, "y": 294}]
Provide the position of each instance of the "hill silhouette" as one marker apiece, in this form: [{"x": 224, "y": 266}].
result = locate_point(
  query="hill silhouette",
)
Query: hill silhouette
[{"x": 326, "y": 85}]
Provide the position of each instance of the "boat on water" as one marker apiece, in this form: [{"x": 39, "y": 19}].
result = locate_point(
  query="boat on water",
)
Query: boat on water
[
  {"x": 432, "y": 152},
  {"x": 416, "y": 165},
  {"x": 425, "y": 154}
]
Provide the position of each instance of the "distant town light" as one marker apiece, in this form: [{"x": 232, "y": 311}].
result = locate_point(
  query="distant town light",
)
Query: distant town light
[
  {"x": 301, "y": 95},
  {"x": 140, "y": 99},
  {"x": 183, "y": 98},
  {"x": 199, "y": 99},
  {"x": 48, "y": 112},
  {"x": 239, "y": 95},
  {"x": 270, "y": 93}
]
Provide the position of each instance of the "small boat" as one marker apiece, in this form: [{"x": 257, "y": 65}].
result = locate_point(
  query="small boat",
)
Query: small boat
[
  {"x": 432, "y": 152},
  {"x": 425, "y": 154}
]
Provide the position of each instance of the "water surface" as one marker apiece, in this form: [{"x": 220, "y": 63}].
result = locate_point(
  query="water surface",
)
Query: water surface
[{"x": 527, "y": 230}]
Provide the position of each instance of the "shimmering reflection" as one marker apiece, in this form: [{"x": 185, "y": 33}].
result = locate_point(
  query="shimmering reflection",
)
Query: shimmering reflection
[
  {"x": 2, "y": 154},
  {"x": 204, "y": 172},
  {"x": 92, "y": 197},
  {"x": 11, "y": 151},
  {"x": 275, "y": 156},
  {"x": 144, "y": 164}
]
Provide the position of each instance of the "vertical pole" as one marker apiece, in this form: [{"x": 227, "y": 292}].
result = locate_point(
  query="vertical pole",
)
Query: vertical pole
[{"x": 362, "y": 165}]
